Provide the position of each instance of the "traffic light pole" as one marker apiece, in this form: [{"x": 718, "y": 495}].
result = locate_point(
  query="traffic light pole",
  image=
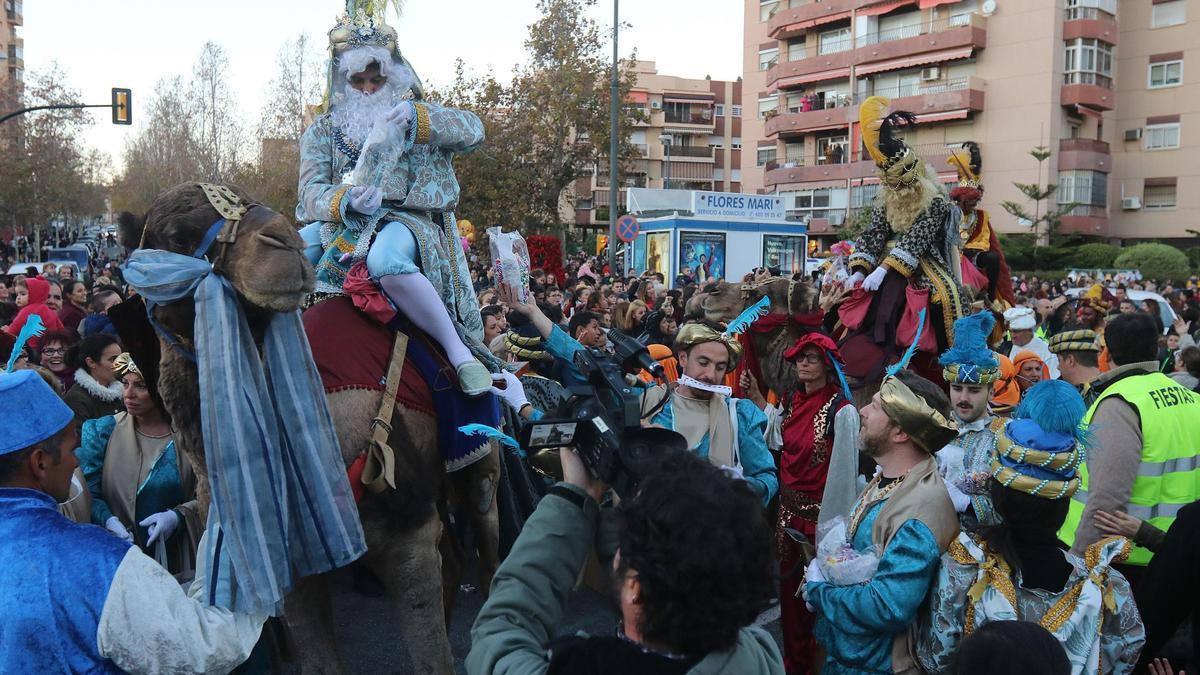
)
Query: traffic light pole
[
  {"x": 614, "y": 188},
  {"x": 64, "y": 106}
]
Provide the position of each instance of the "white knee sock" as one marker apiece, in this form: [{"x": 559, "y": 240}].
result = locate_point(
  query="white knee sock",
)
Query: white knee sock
[{"x": 413, "y": 295}]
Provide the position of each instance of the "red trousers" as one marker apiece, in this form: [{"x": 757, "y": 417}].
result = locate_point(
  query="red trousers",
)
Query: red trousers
[{"x": 799, "y": 645}]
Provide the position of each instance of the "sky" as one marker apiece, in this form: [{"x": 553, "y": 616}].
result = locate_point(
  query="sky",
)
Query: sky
[{"x": 135, "y": 43}]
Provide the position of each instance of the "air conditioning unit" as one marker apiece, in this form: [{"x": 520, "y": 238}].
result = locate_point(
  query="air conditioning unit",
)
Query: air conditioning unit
[
  {"x": 1133, "y": 134},
  {"x": 657, "y": 105},
  {"x": 930, "y": 73},
  {"x": 1131, "y": 203}
]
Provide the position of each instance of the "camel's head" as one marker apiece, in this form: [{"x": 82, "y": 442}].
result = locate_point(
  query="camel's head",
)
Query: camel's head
[
  {"x": 723, "y": 301},
  {"x": 264, "y": 263}
]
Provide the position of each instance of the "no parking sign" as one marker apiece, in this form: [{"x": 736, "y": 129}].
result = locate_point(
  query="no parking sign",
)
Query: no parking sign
[{"x": 627, "y": 228}]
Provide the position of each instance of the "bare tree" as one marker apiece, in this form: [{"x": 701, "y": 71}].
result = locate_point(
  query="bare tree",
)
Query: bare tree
[{"x": 219, "y": 131}]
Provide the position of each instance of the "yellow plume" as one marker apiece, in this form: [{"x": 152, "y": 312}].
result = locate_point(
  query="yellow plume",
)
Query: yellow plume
[
  {"x": 961, "y": 160},
  {"x": 870, "y": 118}
]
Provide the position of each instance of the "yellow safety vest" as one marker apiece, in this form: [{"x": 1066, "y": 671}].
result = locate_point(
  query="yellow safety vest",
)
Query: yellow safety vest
[{"x": 1169, "y": 476}]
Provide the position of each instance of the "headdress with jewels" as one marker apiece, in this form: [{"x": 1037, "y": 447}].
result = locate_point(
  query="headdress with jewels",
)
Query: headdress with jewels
[
  {"x": 692, "y": 334},
  {"x": 970, "y": 360},
  {"x": 899, "y": 166},
  {"x": 363, "y": 30},
  {"x": 1042, "y": 448},
  {"x": 969, "y": 164}
]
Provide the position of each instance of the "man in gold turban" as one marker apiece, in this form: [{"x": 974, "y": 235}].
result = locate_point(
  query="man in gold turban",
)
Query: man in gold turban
[
  {"x": 906, "y": 515},
  {"x": 729, "y": 432}
]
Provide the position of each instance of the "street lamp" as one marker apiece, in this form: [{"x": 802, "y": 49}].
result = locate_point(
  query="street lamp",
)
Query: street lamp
[{"x": 666, "y": 141}]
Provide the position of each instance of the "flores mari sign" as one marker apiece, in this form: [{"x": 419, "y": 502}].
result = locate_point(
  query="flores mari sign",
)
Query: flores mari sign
[{"x": 733, "y": 205}]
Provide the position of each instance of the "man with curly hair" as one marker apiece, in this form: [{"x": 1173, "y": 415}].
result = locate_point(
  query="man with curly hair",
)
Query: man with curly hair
[{"x": 691, "y": 572}]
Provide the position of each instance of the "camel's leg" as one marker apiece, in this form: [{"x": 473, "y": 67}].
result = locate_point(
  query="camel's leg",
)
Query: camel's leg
[
  {"x": 309, "y": 616},
  {"x": 475, "y": 489},
  {"x": 453, "y": 559},
  {"x": 410, "y": 567}
]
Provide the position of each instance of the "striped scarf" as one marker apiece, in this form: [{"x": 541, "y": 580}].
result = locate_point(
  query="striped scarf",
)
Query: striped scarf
[{"x": 281, "y": 504}]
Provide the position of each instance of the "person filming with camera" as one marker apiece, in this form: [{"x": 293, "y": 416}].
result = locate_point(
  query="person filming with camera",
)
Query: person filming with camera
[
  {"x": 730, "y": 433},
  {"x": 691, "y": 572}
]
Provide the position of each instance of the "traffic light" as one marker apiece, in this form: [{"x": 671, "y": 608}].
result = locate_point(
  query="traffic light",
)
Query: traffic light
[{"x": 122, "y": 110}]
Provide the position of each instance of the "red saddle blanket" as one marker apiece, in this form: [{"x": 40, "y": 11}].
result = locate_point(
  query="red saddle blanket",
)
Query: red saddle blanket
[{"x": 353, "y": 351}]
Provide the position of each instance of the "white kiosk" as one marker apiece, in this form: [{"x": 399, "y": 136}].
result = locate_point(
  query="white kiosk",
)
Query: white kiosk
[{"x": 708, "y": 235}]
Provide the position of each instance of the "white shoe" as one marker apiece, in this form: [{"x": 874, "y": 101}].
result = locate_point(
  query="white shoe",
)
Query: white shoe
[{"x": 474, "y": 378}]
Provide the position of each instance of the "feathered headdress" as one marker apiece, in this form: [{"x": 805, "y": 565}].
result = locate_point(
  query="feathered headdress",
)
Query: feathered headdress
[
  {"x": 969, "y": 164},
  {"x": 33, "y": 328},
  {"x": 970, "y": 360},
  {"x": 898, "y": 165},
  {"x": 491, "y": 433},
  {"x": 747, "y": 317}
]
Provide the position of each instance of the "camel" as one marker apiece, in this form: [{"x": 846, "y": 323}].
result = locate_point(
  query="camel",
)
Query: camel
[
  {"x": 723, "y": 301},
  {"x": 403, "y": 527}
]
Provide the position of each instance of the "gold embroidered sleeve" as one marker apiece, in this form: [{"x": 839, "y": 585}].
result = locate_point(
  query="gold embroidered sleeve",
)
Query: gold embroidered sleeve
[
  {"x": 899, "y": 265},
  {"x": 422, "y": 122},
  {"x": 335, "y": 204}
]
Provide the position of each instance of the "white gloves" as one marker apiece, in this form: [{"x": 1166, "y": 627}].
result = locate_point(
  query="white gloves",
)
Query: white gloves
[
  {"x": 160, "y": 525},
  {"x": 875, "y": 279},
  {"x": 401, "y": 115},
  {"x": 855, "y": 279},
  {"x": 365, "y": 199},
  {"x": 513, "y": 393},
  {"x": 113, "y": 524},
  {"x": 813, "y": 575},
  {"x": 961, "y": 501},
  {"x": 734, "y": 472}
]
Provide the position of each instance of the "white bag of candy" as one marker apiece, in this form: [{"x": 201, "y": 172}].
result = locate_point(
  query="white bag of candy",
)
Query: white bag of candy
[
  {"x": 510, "y": 259},
  {"x": 841, "y": 564}
]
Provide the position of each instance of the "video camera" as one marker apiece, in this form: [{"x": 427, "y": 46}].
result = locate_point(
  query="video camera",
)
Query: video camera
[{"x": 602, "y": 420}]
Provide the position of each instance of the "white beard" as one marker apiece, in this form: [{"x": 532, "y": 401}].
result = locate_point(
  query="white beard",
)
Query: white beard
[{"x": 355, "y": 112}]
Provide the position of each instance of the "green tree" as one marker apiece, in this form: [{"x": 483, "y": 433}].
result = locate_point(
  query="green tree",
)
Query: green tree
[
  {"x": 1094, "y": 255},
  {"x": 1042, "y": 223},
  {"x": 1156, "y": 261}
]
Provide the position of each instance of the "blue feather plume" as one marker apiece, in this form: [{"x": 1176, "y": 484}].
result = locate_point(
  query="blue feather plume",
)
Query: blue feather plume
[
  {"x": 1056, "y": 407},
  {"x": 837, "y": 367},
  {"x": 752, "y": 314},
  {"x": 971, "y": 342},
  {"x": 33, "y": 327},
  {"x": 490, "y": 432},
  {"x": 912, "y": 349}
]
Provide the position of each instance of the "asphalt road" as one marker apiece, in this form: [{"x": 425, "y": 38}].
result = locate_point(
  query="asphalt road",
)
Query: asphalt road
[{"x": 369, "y": 635}]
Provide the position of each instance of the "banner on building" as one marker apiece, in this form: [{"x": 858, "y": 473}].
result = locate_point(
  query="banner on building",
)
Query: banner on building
[
  {"x": 702, "y": 255},
  {"x": 783, "y": 252}
]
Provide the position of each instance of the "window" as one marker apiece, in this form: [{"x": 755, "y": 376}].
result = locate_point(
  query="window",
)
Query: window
[
  {"x": 1090, "y": 9},
  {"x": 796, "y": 50},
  {"x": 863, "y": 195},
  {"x": 766, "y": 154},
  {"x": 1083, "y": 187},
  {"x": 1162, "y": 136},
  {"x": 737, "y": 111},
  {"x": 768, "y": 58},
  {"x": 1088, "y": 61},
  {"x": 827, "y": 203},
  {"x": 1158, "y": 197},
  {"x": 1170, "y": 13},
  {"x": 736, "y": 143},
  {"x": 1166, "y": 74},
  {"x": 767, "y": 9},
  {"x": 766, "y": 105},
  {"x": 833, "y": 150},
  {"x": 833, "y": 41},
  {"x": 719, "y": 110}
]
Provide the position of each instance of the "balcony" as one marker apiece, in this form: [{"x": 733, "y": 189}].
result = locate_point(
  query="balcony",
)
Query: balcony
[
  {"x": 1085, "y": 219},
  {"x": 931, "y": 42},
  {"x": 1084, "y": 154},
  {"x": 693, "y": 152},
  {"x": 698, "y": 118},
  {"x": 1088, "y": 89},
  {"x": 795, "y": 20},
  {"x": 821, "y": 169},
  {"x": 1090, "y": 22},
  {"x": 958, "y": 94}
]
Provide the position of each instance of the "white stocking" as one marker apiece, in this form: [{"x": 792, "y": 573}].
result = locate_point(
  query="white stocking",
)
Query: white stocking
[{"x": 413, "y": 295}]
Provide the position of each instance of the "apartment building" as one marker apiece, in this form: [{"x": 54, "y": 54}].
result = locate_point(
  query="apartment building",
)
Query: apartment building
[
  {"x": 12, "y": 47},
  {"x": 1102, "y": 87},
  {"x": 689, "y": 139}
]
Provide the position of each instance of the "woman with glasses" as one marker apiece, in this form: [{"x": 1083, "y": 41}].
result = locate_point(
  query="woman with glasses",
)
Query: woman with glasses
[{"x": 53, "y": 355}]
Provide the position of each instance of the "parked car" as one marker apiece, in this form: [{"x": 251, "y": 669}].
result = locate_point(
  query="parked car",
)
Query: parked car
[{"x": 1166, "y": 312}]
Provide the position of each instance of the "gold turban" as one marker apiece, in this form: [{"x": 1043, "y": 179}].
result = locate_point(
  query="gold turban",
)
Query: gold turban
[
  {"x": 123, "y": 365},
  {"x": 927, "y": 427},
  {"x": 692, "y": 334}
]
